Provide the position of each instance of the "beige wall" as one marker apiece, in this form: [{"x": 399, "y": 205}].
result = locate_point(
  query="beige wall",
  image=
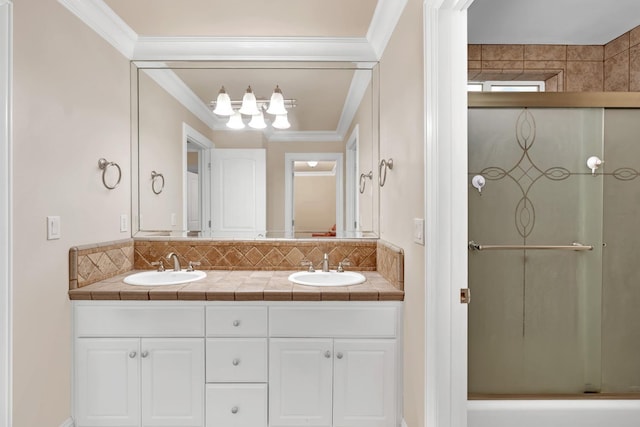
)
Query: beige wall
[
  {"x": 314, "y": 203},
  {"x": 71, "y": 107},
  {"x": 565, "y": 68},
  {"x": 402, "y": 197},
  {"x": 160, "y": 146}
]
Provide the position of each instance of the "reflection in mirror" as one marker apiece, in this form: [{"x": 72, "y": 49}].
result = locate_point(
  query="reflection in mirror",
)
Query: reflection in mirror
[{"x": 253, "y": 183}]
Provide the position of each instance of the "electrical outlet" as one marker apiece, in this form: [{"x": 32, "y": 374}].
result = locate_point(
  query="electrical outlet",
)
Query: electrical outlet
[
  {"x": 124, "y": 223},
  {"x": 174, "y": 219},
  {"x": 418, "y": 231},
  {"x": 53, "y": 228}
]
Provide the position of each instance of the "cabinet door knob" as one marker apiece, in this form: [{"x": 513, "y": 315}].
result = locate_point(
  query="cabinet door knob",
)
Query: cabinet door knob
[
  {"x": 234, "y": 410},
  {"x": 236, "y": 362},
  {"x": 339, "y": 355},
  {"x": 236, "y": 323},
  {"x": 144, "y": 354},
  {"x": 132, "y": 354},
  {"x": 327, "y": 354}
]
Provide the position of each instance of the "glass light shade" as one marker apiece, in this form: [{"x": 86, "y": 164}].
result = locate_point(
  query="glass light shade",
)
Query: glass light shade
[
  {"x": 223, "y": 104},
  {"x": 276, "y": 104},
  {"x": 257, "y": 121},
  {"x": 235, "y": 121},
  {"x": 312, "y": 163},
  {"x": 249, "y": 105},
  {"x": 281, "y": 122}
]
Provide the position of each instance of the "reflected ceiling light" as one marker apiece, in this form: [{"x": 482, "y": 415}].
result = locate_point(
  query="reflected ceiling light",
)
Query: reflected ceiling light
[
  {"x": 223, "y": 104},
  {"x": 281, "y": 122},
  {"x": 276, "y": 103},
  {"x": 257, "y": 121},
  {"x": 254, "y": 107},
  {"x": 235, "y": 121},
  {"x": 249, "y": 103},
  {"x": 312, "y": 163}
]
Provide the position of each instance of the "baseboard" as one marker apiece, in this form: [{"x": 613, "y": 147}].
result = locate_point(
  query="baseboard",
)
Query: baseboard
[
  {"x": 68, "y": 423},
  {"x": 404, "y": 423}
]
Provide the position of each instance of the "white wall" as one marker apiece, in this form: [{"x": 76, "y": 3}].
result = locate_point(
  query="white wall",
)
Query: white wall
[{"x": 71, "y": 107}]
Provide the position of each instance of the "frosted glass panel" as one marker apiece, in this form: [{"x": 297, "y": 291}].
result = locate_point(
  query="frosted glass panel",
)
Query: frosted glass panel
[{"x": 535, "y": 314}]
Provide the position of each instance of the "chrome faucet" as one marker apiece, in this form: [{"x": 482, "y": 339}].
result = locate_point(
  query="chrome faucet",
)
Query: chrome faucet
[
  {"x": 176, "y": 261},
  {"x": 325, "y": 263}
]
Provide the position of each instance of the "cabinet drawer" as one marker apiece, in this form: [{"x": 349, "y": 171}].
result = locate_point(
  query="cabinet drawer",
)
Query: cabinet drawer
[
  {"x": 237, "y": 405},
  {"x": 236, "y": 321},
  {"x": 236, "y": 360},
  {"x": 346, "y": 321},
  {"x": 159, "y": 320}
]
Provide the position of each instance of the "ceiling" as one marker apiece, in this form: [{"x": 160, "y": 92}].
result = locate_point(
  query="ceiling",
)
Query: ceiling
[
  {"x": 247, "y": 18},
  {"x": 577, "y": 22}
]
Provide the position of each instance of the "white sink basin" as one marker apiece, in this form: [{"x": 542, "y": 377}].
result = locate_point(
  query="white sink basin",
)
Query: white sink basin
[
  {"x": 324, "y": 278},
  {"x": 160, "y": 278}
]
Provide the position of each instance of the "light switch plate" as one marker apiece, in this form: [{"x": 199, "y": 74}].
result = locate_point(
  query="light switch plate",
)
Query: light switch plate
[
  {"x": 53, "y": 228},
  {"x": 418, "y": 231},
  {"x": 124, "y": 223}
]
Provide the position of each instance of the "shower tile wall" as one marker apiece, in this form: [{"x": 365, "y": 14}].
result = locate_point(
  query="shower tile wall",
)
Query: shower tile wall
[
  {"x": 614, "y": 66},
  {"x": 535, "y": 316}
]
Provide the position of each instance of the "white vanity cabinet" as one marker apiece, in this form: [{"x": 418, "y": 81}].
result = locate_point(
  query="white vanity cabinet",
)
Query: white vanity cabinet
[
  {"x": 236, "y": 389},
  {"x": 136, "y": 375},
  {"x": 333, "y": 367}
]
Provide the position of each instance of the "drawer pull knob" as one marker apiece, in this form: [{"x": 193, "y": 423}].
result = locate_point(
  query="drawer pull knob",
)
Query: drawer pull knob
[
  {"x": 234, "y": 410},
  {"x": 132, "y": 354},
  {"x": 236, "y": 362},
  {"x": 236, "y": 323},
  {"x": 339, "y": 355},
  {"x": 144, "y": 354},
  {"x": 327, "y": 354}
]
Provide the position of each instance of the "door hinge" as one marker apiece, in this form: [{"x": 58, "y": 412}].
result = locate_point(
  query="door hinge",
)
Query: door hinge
[
  {"x": 209, "y": 223},
  {"x": 465, "y": 296}
]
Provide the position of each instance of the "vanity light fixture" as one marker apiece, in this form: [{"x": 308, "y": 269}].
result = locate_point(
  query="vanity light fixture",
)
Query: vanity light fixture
[{"x": 254, "y": 107}]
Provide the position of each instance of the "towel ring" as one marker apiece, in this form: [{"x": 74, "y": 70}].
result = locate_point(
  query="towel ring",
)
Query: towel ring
[
  {"x": 155, "y": 175},
  {"x": 363, "y": 181},
  {"x": 382, "y": 177},
  {"x": 104, "y": 165}
]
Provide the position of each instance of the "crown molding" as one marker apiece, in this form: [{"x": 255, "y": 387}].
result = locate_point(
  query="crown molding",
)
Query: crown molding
[
  {"x": 104, "y": 21},
  {"x": 358, "y": 88},
  {"x": 254, "y": 49},
  {"x": 170, "y": 82}
]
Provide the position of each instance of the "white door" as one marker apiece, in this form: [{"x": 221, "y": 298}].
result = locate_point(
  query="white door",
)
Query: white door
[
  {"x": 239, "y": 193},
  {"x": 172, "y": 382},
  {"x": 364, "y": 389},
  {"x": 300, "y": 382},
  {"x": 107, "y": 382},
  {"x": 193, "y": 201}
]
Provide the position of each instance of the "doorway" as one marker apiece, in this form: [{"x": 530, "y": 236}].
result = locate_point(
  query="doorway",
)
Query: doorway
[{"x": 196, "y": 161}]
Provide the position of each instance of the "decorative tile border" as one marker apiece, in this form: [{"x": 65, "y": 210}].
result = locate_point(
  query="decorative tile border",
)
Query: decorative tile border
[
  {"x": 390, "y": 263},
  {"x": 92, "y": 263},
  {"x": 257, "y": 255}
]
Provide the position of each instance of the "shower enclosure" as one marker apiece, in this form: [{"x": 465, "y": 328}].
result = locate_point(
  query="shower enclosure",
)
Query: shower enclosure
[{"x": 554, "y": 261}]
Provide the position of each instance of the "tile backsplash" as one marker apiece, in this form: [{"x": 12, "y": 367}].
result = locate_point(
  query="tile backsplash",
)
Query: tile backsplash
[{"x": 92, "y": 263}]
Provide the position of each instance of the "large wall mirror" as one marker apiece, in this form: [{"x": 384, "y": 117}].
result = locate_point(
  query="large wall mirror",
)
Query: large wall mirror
[{"x": 299, "y": 162}]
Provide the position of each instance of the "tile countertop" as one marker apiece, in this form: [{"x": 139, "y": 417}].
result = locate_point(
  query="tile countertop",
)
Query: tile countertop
[{"x": 241, "y": 285}]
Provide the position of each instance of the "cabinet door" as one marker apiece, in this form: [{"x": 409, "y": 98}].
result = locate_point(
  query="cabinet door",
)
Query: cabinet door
[
  {"x": 364, "y": 390},
  {"x": 172, "y": 382},
  {"x": 300, "y": 382},
  {"x": 107, "y": 382}
]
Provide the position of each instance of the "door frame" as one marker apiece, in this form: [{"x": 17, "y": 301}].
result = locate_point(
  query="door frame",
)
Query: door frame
[
  {"x": 445, "y": 139},
  {"x": 289, "y": 159},
  {"x": 205, "y": 145},
  {"x": 352, "y": 166},
  {"x": 6, "y": 233}
]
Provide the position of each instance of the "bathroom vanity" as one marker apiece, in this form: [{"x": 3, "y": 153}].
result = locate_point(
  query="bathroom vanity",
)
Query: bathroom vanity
[{"x": 250, "y": 362}]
